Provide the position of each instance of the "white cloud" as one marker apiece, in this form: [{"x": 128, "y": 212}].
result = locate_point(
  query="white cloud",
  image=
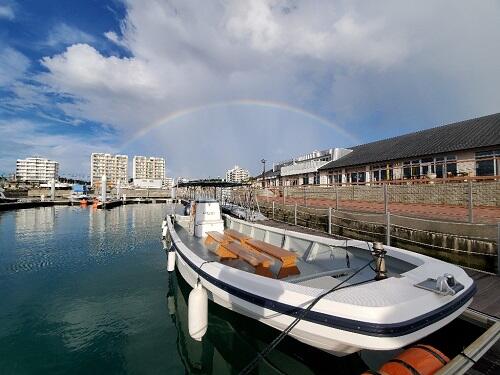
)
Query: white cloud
[
  {"x": 423, "y": 63},
  {"x": 63, "y": 34},
  {"x": 13, "y": 65},
  {"x": 6, "y": 11}
]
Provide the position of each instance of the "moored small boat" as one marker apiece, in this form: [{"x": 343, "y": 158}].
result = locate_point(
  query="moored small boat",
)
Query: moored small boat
[{"x": 350, "y": 294}]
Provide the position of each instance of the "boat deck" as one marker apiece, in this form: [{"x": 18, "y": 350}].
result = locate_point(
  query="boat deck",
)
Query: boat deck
[{"x": 328, "y": 268}]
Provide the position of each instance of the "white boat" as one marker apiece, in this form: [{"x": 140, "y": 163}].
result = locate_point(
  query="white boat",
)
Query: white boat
[{"x": 369, "y": 307}]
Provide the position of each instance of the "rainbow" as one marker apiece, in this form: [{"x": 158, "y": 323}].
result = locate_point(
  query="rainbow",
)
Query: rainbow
[{"x": 241, "y": 102}]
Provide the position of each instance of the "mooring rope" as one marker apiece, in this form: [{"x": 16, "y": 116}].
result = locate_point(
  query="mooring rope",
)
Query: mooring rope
[{"x": 264, "y": 353}]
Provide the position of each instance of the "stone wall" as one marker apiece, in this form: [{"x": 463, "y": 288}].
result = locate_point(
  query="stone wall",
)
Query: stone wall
[{"x": 485, "y": 193}]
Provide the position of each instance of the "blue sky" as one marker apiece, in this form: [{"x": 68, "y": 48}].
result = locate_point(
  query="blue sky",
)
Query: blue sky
[{"x": 216, "y": 83}]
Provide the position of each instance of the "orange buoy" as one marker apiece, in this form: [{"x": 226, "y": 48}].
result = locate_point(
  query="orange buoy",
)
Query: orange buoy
[{"x": 417, "y": 360}]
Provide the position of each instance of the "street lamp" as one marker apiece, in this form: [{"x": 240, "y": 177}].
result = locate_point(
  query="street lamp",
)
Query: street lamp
[{"x": 263, "y": 161}]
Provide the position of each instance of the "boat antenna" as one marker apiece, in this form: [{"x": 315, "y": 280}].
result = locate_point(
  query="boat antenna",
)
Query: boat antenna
[{"x": 264, "y": 353}]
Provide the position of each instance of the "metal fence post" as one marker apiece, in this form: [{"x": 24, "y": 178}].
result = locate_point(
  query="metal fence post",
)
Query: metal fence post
[
  {"x": 284, "y": 191},
  {"x": 336, "y": 197},
  {"x": 273, "y": 210},
  {"x": 471, "y": 204},
  {"x": 388, "y": 228},
  {"x": 498, "y": 248},
  {"x": 295, "y": 214},
  {"x": 386, "y": 204},
  {"x": 329, "y": 220}
]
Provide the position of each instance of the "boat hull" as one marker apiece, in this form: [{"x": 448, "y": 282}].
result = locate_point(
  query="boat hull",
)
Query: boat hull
[{"x": 318, "y": 330}]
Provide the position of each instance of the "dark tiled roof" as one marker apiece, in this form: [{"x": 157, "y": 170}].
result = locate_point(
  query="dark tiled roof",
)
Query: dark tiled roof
[
  {"x": 469, "y": 134},
  {"x": 270, "y": 173}
]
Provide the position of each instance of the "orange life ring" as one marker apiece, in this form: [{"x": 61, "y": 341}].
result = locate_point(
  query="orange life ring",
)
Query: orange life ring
[{"x": 417, "y": 360}]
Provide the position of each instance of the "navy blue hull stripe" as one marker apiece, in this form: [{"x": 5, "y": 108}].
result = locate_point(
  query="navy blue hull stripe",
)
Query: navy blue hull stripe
[{"x": 356, "y": 326}]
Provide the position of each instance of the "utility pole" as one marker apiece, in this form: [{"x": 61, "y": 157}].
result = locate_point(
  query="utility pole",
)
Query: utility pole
[{"x": 263, "y": 161}]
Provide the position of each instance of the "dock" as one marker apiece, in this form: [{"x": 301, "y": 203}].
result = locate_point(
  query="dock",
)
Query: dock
[{"x": 49, "y": 203}]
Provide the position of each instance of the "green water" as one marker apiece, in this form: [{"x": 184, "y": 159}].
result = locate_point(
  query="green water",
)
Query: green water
[{"x": 87, "y": 292}]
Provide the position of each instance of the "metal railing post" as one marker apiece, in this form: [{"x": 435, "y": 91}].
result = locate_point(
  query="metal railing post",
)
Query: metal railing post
[
  {"x": 498, "y": 248},
  {"x": 388, "y": 228},
  {"x": 273, "y": 210},
  {"x": 471, "y": 204},
  {"x": 336, "y": 197},
  {"x": 329, "y": 220},
  {"x": 295, "y": 214},
  {"x": 386, "y": 204}
]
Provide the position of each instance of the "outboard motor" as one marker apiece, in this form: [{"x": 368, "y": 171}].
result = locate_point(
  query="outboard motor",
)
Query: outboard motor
[
  {"x": 378, "y": 253},
  {"x": 207, "y": 217}
]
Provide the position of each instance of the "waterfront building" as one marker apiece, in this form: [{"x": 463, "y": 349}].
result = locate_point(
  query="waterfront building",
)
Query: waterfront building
[
  {"x": 115, "y": 167},
  {"x": 237, "y": 174},
  {"x": 36, "y": 170},
  {"x": 301, "y": 170},
  {"x": 169, "y": 182},
  {"x": 148, "y": 168},
  {"x": 457, "y": 150}
]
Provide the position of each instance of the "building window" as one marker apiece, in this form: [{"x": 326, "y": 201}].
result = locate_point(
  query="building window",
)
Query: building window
[
  {"x": 305, "y": 180},
  {"x": 487, "y": 163},
  {"x": 316, "y": 178},
  {"x": 439, "y": 167},
  {"x": 451, "y": 166}
]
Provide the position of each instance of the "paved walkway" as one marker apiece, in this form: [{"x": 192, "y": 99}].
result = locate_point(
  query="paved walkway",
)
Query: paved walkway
[{"x": 490, "y": 215}]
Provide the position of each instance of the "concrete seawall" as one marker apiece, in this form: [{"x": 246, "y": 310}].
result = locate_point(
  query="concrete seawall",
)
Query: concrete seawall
[{"x": 470, "y": 245}]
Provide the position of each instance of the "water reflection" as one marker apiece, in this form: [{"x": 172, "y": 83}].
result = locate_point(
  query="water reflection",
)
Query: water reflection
[
  {"x": 233, "y": 340},
  {"x": 35, "y": 222}
]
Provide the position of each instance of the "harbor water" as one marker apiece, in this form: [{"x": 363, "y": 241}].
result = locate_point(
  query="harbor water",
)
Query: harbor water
[{"x": 87, "y": 291}]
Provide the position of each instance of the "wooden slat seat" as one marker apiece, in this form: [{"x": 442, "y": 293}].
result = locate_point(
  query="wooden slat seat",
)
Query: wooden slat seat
[
  {"x": 219, "y": 239},
  {"x": 260, "y": 262},
  {"x": 288, "y": 258},
  {"x": 236, "y": 235}
]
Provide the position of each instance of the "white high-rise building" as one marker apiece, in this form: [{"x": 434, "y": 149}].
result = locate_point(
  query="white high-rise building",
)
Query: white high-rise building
[
  {"x": 36, "y": 169},
  {"x": 115, "y": 167},
  {"x": 148, "y": 167},
  {"x": 169, "y": 182},
  {"x": 237, "y": 174}
]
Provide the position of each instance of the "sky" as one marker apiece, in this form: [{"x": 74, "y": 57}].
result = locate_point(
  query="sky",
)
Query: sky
[{"x": 211, "y": 84}]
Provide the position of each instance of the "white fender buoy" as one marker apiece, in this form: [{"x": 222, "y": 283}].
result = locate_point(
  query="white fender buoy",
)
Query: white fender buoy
[
  {"x": 171, "y": 260},
  {"x": 164, "y": 232},
  {"x": 164, "y": 223},
  {"x": 198, "y": 312}
]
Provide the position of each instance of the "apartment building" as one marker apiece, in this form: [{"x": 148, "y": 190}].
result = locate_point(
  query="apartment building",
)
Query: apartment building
[
  {"x": 115, "y": 167},
  {"x": 36, "y": 170},
  {"x": 148, "y": 168},
  {"x": 237, "y": 174}
]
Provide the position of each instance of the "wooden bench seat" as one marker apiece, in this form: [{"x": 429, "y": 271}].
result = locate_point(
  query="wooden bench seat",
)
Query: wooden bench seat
[
  {"x": 236, "y": 235},
  {"x": 260, "y": 262},
  {"x": 219, "y": 239},
  {"x": 288, "y": 258}
]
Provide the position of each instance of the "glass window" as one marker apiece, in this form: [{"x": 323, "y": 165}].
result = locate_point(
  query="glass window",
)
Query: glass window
[
  {"x": 485, "y": 163},
  {"x": 415, "y": 168},
  {"x": 305, "y": 180},
  {"x": 451, "y": 166},
  {"x": 439, "y": 167},
  {"x": 361, "y": 176},
  {"x": 354, "y": 177}
]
